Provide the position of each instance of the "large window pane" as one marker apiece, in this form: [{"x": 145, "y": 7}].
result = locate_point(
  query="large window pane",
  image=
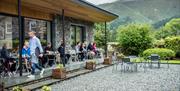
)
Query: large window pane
[
  {"x": 78, "y": 34},
  {"x": 41, "y": 28},
  {"x": 9, "y": 31}
]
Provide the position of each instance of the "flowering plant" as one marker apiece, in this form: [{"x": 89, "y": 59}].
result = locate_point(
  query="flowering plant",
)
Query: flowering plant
[
  {"x": 60, "y": 66},
  {"x": 46, "y": 88},
  {"x": 17, "y": 88}
]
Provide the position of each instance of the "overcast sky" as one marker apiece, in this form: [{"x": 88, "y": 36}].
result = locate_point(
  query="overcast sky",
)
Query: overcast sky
[{"x": 96, "y": 2}]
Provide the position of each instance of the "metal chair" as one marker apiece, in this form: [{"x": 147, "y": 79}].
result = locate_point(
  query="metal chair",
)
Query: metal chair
[
  {"x": 127, "y": 64},
  {"x": 115, "y": 61},
  {"x": 154, "y": 58},
  {"x": 73, "y": 56},
  {"x": 51, "y": 57}
]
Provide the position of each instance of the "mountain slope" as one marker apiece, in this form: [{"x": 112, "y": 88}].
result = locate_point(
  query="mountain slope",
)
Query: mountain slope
[{"x": 142, "y": 11}]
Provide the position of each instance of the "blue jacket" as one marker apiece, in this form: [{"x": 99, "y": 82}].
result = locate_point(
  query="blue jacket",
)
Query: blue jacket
[{"x": 26, "y": 52}]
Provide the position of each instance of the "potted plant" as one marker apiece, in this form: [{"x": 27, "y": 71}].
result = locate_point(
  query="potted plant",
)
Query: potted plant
[
  {"x": 107, "y": 61},
  {"x": 46, "y": 88},
  {"x": 59, "y": 72},
  {"x": 91, "y": 65},
  {"x": 120, "y": 56}
]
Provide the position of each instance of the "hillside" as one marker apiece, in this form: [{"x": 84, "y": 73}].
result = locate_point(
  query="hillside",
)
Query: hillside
[{"x": 142, "y": 11}]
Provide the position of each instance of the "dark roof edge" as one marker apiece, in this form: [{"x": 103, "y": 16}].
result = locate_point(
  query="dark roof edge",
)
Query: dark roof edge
[{"x": 94, "y": 6}]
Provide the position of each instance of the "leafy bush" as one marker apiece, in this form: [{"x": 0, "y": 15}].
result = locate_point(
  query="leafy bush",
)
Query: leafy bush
[
  {"x": 159, "y": 43},
  {"x": 134, "y": 38},
  {"x": 173, "y": 43},
  {"x": 162, "y": 52}
]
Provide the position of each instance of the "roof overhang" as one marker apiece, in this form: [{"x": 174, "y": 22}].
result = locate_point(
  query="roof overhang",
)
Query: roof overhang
[{"x": 45, "y": 9}]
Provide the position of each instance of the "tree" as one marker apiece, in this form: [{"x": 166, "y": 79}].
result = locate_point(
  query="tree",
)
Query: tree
[
  {"x": 171, "y": 28},
  {"x": 99, "y": 34},
  {"x": 134, "y": 38}
]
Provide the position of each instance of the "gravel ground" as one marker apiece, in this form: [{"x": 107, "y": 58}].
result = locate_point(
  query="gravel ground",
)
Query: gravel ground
[{"x": 163, "y": 79}]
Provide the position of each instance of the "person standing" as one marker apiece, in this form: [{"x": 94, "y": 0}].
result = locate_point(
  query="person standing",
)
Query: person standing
[
  {"x": 62, "y": 55},
  {"x": 36, "y": 51}
]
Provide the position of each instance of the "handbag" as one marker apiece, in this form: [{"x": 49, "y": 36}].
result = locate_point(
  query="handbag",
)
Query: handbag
[{"x": 37, "y": 52}]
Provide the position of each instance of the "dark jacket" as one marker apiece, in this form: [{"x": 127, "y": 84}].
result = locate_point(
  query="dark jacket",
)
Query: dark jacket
[
  {"x": 5, "y": 53},
  {"x": 90, "y": 47},
  {"x": 61, "y": 51}
]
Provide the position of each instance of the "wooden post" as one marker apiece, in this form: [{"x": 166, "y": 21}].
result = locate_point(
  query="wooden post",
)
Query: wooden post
[
  {"x": 21, "y": 35},
  {"x": 105, "y": 41}
]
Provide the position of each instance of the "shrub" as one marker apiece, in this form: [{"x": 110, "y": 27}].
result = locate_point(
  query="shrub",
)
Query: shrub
[
  {"x": 162, "y": 52},
  {"x": 159, "y": 43},
  {"x": 134, "y": 38},
  {"x": 173, "y": 43}
]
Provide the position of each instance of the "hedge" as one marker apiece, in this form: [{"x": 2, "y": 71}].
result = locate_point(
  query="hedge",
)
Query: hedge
[{"x": 162, "y": 52}]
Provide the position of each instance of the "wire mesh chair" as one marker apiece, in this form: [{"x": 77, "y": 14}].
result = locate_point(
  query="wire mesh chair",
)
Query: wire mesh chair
[
  {"x": 73, "y": 56},
  {"x": 127, "y": 64},
  {"x": 154, "y": 58}
]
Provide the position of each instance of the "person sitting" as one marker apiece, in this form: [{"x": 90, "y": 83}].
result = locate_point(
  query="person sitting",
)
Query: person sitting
[
  {"x": 90, "y": 51},
  {"x": 26, "y": 54},
  {"x": 48, "y": 50},
  {"x": 83, "y": 51},
  {"x": 95, "y": 50},
  {"x": 10, "y": 62}
]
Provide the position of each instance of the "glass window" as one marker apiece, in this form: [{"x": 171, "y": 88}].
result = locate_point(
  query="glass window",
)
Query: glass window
[
  {"x": 41, "y": 27},
  {"x": 9, "y": 31},
  {"x": 77, "y": 34}
]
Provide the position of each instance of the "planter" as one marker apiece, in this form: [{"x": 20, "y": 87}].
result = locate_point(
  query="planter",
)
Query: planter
[
  {"x": 107, "y": 61},
  {"x": 59, "y": 73},
  {"x": 91, "y": 65}
]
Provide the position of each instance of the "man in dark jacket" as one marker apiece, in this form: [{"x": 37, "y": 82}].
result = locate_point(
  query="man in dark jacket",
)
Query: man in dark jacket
[
  {"x": 9, "y": 63},
  {"x": 62, "y": 54}
]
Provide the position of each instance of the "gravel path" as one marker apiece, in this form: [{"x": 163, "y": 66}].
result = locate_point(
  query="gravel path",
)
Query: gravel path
[{"x": 162, "y": 79}]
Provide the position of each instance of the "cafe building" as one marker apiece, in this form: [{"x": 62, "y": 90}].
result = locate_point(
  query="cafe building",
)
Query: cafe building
[{"x": 54, "y": 21}]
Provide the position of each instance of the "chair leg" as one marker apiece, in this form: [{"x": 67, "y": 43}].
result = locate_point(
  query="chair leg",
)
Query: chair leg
[
  {"x": 168, "y": 63},
  {"x": 158, "y": 64}
]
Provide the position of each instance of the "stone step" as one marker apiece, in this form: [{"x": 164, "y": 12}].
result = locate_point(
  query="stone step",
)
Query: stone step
[{"x": 69, "y": 76}]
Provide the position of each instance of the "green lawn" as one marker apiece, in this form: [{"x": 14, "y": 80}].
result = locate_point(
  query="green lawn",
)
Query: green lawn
[{"x": 162, "y": 61}]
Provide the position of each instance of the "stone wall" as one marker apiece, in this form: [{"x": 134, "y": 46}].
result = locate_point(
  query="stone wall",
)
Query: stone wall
[{"x": 67, "y": 25}]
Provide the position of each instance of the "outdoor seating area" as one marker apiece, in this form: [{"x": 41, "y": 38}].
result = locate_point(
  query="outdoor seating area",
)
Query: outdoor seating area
[
  {"x": 132, "y": 63},
  {"x": 49, "y": 59}
]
